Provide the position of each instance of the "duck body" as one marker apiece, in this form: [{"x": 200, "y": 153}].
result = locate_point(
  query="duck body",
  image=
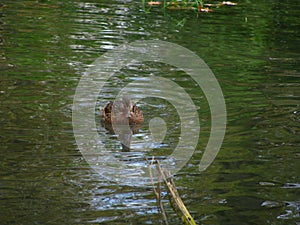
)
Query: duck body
[{"x": 124, "y": 112}]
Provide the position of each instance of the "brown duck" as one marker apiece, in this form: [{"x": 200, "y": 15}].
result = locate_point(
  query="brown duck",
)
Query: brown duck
[{"x": 124, "y": 111}]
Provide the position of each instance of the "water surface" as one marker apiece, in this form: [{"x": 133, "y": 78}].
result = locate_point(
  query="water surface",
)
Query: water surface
[{"x": 253, "y": 50}]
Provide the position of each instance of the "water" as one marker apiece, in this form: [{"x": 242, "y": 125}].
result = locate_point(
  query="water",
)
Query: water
[{"x": 252, "y": 49}]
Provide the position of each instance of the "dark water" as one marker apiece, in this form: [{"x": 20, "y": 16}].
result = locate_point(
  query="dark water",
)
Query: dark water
[{"x": 253, "y": 50}]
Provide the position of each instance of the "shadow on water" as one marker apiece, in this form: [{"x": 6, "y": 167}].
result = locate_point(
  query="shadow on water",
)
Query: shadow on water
[{"x": 253, "y": 50}]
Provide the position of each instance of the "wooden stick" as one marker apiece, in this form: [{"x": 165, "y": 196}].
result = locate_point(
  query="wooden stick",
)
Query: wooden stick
[
  {"x": 157, "y": 192},
  {"x": 175, "y": 199}
]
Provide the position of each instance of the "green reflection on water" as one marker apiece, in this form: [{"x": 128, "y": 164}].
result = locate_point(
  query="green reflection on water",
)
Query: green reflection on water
[{"x": 252, "y": 50}]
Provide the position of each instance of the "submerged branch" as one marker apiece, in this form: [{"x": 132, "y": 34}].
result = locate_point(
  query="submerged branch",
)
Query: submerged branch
[{"x": 174, "y": 197}]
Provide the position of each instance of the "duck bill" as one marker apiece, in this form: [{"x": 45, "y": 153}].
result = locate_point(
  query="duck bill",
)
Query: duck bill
[{"x": 128, "y": 115}]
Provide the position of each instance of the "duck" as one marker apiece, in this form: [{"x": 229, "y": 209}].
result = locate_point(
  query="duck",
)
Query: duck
[{"x": 125, "y": 112}]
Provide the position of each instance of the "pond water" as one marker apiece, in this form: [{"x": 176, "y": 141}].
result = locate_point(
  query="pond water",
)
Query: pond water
[{"x": 253, "y": 50}]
